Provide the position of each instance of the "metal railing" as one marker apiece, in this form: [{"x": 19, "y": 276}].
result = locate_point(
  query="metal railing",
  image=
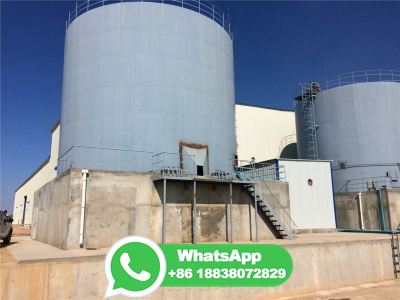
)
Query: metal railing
[
  {"x": 203, "y": 7},
  {"x": 369, "y": 184},
  {"x": 174, "y": 164},
  {"x": 106, "y": 159},
  {"x": 289, "y": 139},
  {"x": 276, "y": 206},
  {"x": 124, "y": 160},
  {"x": 248, "y": 170},
  {"x": 352, "y": 78}
]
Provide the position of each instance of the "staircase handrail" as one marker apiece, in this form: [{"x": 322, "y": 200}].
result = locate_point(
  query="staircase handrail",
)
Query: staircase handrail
[
  {"x": 284, "y": 210},
  {"x": 271, "y": 209}
]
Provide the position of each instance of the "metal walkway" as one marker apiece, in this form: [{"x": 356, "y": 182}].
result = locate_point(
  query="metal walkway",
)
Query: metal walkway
[{"x": 260, "y": 204}]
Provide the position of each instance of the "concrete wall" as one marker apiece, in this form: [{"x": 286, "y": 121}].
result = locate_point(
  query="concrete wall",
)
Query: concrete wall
[
  {"x": 394, "y": 208},
  {"x": 57, "y": 208},
  {"x": 121, "y": 204},
  {"x": 348, "y": 210},
  {"x": 317, "y": 266},
  {"x": 277, "y": 195},
  {"x": 40, "y": 177}
]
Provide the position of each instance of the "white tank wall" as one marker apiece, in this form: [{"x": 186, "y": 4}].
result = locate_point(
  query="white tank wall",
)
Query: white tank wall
[
  {"x": 358, "y": 124},
  {"x": 146, "y": 76}
]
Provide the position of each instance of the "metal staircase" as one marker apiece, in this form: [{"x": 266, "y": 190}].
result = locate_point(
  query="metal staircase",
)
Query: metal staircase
[
  {"x": 395, "y": 254},
  {"x": 268, "y": 212}
]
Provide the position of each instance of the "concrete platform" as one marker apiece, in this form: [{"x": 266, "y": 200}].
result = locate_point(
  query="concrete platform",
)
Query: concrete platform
[
  {"x": 23, "y": 248},
  {"x": 388, "y": 290},
  {"x": 321, "y": 262}
]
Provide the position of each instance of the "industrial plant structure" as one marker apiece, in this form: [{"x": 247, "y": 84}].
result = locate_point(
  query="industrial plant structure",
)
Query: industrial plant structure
[
  {"x": 275, "y": 125},
  {"x": 149, "y": 134},
  {"x": 151, "y": 143},
  {"x": 353, "y": 120}
]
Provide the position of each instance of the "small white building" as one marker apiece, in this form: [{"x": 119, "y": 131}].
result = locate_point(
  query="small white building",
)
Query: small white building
[
  {"x": 47, "y": 171},
  {"x": 263, "y": 132},
  {"x": 312, "y": 202}
]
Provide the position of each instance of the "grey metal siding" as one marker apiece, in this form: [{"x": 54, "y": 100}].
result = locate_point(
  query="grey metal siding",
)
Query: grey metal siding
[
  {"x": 146, "y": 76},
  {"x": 359, "y": 125}
]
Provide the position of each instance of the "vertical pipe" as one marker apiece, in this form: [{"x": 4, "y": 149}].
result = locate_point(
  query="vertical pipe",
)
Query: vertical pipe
[
  {"x": 382, "y": 210},
  {"x": 333, "y": 196},
  {"x": 231, "y": 215},
  {"x": 164, "y": 211},
  {"x": 194, "y": 214},
  {"x": 256, "y": 211},
  {"x": 84, "y": 184},
  {"x": 361, "y": 211}
]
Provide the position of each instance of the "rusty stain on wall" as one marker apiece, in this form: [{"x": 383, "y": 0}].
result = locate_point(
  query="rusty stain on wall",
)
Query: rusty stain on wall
[{"x": 194, "y": 146}]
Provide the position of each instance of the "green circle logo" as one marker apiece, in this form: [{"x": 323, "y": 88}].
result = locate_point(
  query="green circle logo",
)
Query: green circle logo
[{"x": 135, "y": 267}]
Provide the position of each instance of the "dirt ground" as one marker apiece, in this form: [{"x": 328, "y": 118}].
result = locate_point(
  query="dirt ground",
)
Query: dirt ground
[
  {"x": 5, "y": 255},
  {"x": 21, "y": 231}
]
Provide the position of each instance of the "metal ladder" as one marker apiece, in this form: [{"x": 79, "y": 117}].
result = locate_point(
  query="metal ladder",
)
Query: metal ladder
[
  {"x": 308, "y": 95},
  {"x": 395, "y": 253},
  {"x": 269, "y": 213}
]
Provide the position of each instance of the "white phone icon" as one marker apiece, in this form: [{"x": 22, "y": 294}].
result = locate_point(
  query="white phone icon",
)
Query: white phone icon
[{"x": 125, "y": 260}]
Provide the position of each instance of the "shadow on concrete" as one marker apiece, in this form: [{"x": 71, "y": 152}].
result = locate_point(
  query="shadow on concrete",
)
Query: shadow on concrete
[{"x": 2, "y": 245}]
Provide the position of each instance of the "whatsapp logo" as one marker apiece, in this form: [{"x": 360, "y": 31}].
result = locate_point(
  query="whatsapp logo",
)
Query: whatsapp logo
[{"x": 135, "y": 266}]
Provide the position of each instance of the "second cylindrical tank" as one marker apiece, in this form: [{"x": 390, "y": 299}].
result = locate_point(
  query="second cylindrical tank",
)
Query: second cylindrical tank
[{"x": 358, "y": 127}]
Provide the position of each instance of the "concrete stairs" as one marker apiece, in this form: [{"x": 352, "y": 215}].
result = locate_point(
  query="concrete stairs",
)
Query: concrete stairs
[{"x": 268, "y": 212}]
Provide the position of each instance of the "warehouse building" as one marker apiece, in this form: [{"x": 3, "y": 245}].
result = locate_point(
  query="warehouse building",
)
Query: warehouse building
[{"x": 47, "y": 171}]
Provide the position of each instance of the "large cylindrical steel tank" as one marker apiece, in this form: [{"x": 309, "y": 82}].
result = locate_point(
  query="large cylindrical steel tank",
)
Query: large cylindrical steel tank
[
  {"x": 143, "y": 78},
  {"x": 358, "y": 127}
]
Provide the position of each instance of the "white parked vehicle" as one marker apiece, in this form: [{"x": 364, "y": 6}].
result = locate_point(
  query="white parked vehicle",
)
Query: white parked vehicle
[{"x": 5, "y": 227}]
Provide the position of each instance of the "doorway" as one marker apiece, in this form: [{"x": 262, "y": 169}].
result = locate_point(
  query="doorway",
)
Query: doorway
[{"x": 194, "y": 158}]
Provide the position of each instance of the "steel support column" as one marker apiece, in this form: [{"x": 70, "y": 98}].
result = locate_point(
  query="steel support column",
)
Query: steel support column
[
  {"x": 256, "y": 212},
  {"x": 194, "y": 214},
  {"x": 164, "y": 212},
  {"x": 231, "y": 214}
]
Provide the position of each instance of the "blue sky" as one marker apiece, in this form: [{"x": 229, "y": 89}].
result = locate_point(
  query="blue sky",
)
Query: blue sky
[{"x": 277, "y": 45}]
